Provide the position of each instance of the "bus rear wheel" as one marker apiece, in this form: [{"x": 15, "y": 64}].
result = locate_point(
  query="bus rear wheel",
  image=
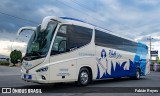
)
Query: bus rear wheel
[
  {"x": 84, "y": 77},
  {"x": 138, "y": 74}
]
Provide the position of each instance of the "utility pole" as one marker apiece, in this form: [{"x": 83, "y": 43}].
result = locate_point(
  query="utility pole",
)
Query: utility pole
[
  {"x": 150, "y": 44},
  {"x": 12, "y": 41}
]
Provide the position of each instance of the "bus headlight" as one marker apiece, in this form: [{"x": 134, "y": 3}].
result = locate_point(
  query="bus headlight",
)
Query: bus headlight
[{"x": 43, "y": 69}]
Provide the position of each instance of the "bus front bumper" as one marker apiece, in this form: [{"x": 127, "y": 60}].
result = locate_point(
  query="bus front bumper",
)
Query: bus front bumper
[{"x": 33, "y": 78}]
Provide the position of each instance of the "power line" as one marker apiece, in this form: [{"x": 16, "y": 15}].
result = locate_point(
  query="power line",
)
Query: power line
[
  {"x": 60, "y": 2},
  {"x": 17, "y": 17},
  {"x": 86, "y": 7},
  {"x": 82, "y": 5}
]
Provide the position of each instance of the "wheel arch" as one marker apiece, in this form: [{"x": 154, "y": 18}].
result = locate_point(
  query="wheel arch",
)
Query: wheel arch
[{"x": 89, "y": 69}]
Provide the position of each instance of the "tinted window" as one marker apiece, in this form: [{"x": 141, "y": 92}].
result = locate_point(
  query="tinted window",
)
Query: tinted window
[
  {"x": 111, "y": 41},
  {"x": 78, "y": 36},
  {"x": 60, "y": 42},
  {"x": 70, "y": 37}
]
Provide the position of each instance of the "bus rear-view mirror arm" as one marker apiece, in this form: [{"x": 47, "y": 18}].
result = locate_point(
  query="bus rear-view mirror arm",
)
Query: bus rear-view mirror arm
[{"x": 25, "y": 28}]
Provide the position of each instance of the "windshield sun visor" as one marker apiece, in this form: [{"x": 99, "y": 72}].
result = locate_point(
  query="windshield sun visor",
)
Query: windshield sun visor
[{"x": 47, "y": 19}]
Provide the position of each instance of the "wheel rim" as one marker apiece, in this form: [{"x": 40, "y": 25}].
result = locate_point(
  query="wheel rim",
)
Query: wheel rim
[
  {"x": 138, "y": 75},
  {"x": 84, "y": 77}
]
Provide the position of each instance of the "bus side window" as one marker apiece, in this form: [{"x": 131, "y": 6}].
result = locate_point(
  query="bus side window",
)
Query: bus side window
[
  {"x": 71, "y": 37},
  {"x": 78, "y": 36},
  {"x": 60, "y": 42}
]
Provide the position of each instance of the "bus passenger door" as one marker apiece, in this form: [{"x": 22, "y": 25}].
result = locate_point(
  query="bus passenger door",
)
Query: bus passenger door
[{"x": 63, "y": 67}]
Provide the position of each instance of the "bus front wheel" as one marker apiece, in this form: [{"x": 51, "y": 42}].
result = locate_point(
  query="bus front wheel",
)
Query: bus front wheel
[{"x": 84, "y": 77}]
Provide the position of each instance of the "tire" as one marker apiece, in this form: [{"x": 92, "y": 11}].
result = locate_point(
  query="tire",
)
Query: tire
[
  {"x": 138, "y": 74},
  {"x": 84, "y": 77}
]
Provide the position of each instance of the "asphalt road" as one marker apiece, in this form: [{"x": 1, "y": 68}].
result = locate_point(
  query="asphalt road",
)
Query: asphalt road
[{"x": 10, "y": 77}]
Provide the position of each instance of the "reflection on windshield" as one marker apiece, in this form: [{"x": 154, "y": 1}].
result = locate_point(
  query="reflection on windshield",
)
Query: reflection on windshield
[{"x": 39, "y": 43}]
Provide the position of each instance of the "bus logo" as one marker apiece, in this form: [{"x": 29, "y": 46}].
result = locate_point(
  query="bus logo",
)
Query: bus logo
[{"x": 6, "y": 90}]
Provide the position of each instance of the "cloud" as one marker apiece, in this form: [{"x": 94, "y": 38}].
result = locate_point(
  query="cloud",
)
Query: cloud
[
  {"x": 49, "y": 11},
  {"x": 10, "y": 41},
  {"x": 134, "y": 19},
  {"x": 7, "y": 46},
  {"x": 148, "y": 2}
]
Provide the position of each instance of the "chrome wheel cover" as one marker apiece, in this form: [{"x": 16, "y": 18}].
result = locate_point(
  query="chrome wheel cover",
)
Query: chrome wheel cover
[
  {"x": 138, "y": 75},
  {"x": 84, "y": 77}
]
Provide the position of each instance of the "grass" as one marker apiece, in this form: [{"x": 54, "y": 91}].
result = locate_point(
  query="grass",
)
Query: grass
[{"x": 6, "y": 63}]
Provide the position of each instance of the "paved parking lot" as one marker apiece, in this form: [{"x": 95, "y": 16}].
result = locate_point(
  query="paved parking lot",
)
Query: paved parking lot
[{"x": 10, "y": 77}]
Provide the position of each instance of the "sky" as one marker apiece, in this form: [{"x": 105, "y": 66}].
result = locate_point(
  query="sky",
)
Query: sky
[{"x": 133, "y": 19}]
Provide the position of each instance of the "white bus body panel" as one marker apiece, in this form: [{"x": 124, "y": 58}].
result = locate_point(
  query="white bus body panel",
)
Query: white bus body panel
[
  {"x": 69, "y": 64},
  {"x": 104, "y": 63}
]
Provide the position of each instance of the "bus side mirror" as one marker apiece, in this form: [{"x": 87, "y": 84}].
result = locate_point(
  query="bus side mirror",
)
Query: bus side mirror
[{"x": 25, "y": 28}]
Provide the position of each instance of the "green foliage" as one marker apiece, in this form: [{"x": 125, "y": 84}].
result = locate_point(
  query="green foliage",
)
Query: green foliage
[
  {"x": 4, "y": 63},
  {"x": 15, "y": 56},
  {"x": 158, "y": 60}
]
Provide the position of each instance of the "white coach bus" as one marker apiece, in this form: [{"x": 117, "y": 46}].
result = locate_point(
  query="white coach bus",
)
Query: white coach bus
[{"x": 63, "y": 49}]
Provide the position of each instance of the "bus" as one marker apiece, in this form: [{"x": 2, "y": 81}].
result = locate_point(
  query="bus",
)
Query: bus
[{"x": 64, "y": 49}]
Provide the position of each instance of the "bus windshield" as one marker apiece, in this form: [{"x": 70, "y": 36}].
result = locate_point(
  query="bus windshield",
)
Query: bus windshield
[{"x": 39, "y": 43}]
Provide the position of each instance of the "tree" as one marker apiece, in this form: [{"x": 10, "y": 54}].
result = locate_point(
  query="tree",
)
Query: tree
[
  {"x": 15, "y": 56},
  {"x": 158, "y": 60}
]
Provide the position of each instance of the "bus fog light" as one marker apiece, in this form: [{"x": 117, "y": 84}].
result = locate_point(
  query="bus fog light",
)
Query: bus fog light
[{"x": 43, "y": 77}]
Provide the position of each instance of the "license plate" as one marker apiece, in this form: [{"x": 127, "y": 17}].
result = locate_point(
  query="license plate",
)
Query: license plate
[{"x": 27, "y": 76}]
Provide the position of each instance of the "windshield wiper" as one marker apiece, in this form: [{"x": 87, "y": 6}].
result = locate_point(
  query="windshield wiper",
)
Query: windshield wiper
[
  {"x": 36, "y": 52},
  {"x": 33, "y": 55}
]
